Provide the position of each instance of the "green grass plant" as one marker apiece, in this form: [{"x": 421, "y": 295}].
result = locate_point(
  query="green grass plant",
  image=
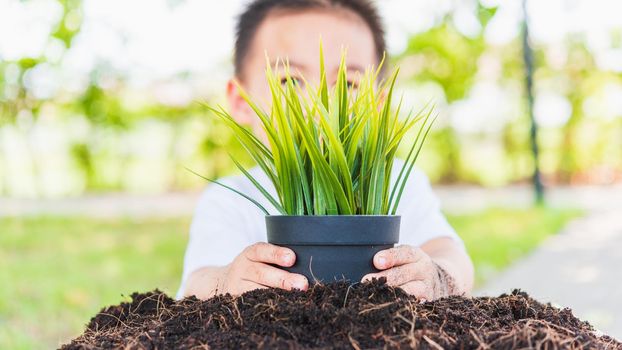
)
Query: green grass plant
[{"x": 330, "y": 150}]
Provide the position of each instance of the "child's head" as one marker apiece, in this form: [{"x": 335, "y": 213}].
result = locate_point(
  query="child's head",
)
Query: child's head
[{"x": 292, "y": 29}]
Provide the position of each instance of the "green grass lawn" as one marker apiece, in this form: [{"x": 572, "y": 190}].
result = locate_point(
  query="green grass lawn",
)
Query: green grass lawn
[{"x": 57, "y": 272}]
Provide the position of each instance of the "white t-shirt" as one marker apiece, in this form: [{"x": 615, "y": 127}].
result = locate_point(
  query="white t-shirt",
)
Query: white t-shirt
[{"x": 225, "y": 223}]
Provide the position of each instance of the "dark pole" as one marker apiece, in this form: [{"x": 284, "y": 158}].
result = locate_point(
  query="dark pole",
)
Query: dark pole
[{"x": 528, "y": 59}]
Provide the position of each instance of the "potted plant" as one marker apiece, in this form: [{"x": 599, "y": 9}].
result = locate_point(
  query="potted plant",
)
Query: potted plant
[{"x": 329, "y": 154}]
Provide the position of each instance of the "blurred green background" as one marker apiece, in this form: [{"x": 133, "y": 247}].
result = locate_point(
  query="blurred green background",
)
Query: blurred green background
[
  {"x": 100, "y": 97},
  {"x": 94, "y": 100}
]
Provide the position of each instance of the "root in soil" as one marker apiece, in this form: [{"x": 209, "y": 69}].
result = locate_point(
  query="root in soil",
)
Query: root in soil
[{"x": 338, "y": 316}]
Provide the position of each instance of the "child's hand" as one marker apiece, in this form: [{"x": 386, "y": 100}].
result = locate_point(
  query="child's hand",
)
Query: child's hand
[
  {"x": 251, "y": 270},
  {"x": 411, "y": 269}
]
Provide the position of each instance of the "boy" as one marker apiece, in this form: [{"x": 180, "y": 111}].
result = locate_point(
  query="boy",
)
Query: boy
[{"x": 227, "y": 250}]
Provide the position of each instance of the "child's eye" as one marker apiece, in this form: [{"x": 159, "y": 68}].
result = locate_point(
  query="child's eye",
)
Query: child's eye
[
  {"x": 352, "y": 85},
  {"x": 294, "y": 80}
]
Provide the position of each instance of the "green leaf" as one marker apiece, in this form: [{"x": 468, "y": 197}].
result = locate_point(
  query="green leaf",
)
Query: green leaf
[{"x": 231, "y": 189}]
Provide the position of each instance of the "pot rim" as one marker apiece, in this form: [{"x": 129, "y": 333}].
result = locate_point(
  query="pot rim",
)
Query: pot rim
[
  {"x": 333, "y": 216},
  {"x": 333, "y": 229}
]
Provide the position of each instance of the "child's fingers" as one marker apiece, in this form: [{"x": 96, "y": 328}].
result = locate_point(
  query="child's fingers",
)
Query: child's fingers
[
  {"x": 271, "y": 254},
  {"x": 271, "y": 276}
]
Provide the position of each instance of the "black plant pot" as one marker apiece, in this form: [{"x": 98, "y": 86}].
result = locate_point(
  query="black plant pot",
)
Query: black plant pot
[{"x": 334, "y": 247}]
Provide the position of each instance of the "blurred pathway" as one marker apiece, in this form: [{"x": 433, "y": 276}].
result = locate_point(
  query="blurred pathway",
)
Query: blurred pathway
[
  {"x": 458, "y": 199},
  {"x": 104, "y": 206},
  {"x": 455, "y": 199},
  {"x": 580, "y": 268}
]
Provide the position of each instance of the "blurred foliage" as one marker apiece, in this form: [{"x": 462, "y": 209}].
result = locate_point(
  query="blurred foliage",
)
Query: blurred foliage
[
  {"x": 70, "y": 22},
  {"x": 103, "y": 123},
  {"x": 583, "y": 150},
  {"x": 100, "y": 158},
  {"x": 448, "y": 58}
]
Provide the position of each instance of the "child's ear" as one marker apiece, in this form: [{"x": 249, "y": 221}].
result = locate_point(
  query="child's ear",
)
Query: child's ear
[{"x": 240, "y": 110}]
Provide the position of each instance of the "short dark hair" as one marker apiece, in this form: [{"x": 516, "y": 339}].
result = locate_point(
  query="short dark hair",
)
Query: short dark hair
[{"x": 257, "y": 10}]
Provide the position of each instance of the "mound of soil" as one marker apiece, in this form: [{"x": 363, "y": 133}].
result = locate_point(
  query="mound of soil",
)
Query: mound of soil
[{"x": 364, "y": 316}]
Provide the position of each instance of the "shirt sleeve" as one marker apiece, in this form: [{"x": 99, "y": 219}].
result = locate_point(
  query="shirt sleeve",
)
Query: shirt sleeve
[
  {"x": 422, "y": 218},
  {"x": 218, "y": 233}
]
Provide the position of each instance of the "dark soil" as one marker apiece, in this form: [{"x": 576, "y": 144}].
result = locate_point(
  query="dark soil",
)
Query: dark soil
[{"x": 337, "y": 316}]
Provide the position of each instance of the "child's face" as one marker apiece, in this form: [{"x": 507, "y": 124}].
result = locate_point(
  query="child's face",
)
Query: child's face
[{"x": 296, "y": 37}]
